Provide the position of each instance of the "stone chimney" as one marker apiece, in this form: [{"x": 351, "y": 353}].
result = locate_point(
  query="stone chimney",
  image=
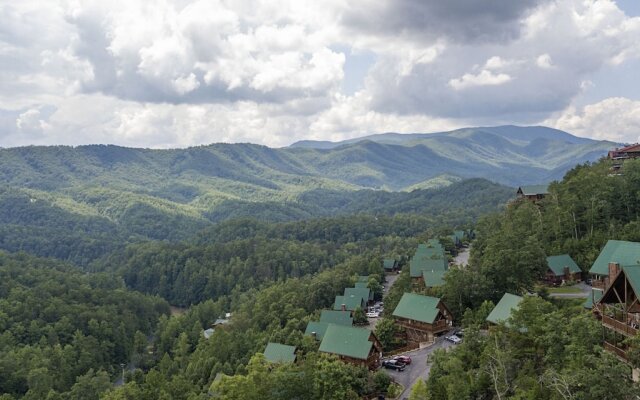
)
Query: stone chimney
[
  {"x": 614, "y": 270},
  {"x": 343, "y": 307}
]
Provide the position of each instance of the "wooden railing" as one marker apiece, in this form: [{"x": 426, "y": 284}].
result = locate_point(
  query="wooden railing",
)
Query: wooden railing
[
  {"x": 438, "y": 326},
  {"x": 615, "y": 350},
  {"x": 619, "y": 326},
  {"x": 598, "y": 284}
]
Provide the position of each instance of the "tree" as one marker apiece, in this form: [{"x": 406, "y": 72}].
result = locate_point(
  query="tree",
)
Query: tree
[{"x": 359, "y": 317}]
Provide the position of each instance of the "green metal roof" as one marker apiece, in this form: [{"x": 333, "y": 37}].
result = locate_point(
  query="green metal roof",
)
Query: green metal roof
[
  {"x": 502, "y": 311},
  {"x": 433, "y": 278},
  {"x": 351, "y": 302},
  {"x": 318, "y": 327},
  {"x": 336, "y": 317},
  {"x": 361, "y": 285},
  {"x": 531, "y": 190},
  {"x": 280, "y": 353},
  {"x": 416, "y": 267},
  {"x": 363, "y": 278},
  {"x": 459, "y": 234},
  {"x": 417, "y": 307},
  {"x": 632, "y": 273},
  {"x": 346, "y": 341},
  {"x": 558, "y": 263},
  {"x": 365, "y": 293},
  {"x": 618, "y": 251},
  {"x": 596, "y": 295},
  {"x": 388, "y": 263}
]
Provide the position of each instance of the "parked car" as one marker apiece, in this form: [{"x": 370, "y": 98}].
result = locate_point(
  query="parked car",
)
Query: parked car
[
  {"x": 459, "y": 333},
  {"x": 393, "y": 364},
  {"x": 373, "y": 315},
  {"x": 403, "y": 359},
  {"x": 454, "y": 339}
]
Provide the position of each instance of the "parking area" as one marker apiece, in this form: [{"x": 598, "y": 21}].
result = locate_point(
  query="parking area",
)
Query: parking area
[{"x": 419, "y": 367}]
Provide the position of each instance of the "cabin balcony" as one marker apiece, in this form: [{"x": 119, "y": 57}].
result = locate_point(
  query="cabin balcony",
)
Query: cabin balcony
[
  {"x": 436, "y": 327},
  {"x": 619, "y": 326},
  {"x": 598, "y": 284},
  {"x": 617, "y": 351}
]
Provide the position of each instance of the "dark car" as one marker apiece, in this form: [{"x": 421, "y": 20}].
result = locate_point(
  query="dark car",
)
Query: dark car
[
  {"x": 393, "y": 364},
  {"x": 403, "y": 359}
]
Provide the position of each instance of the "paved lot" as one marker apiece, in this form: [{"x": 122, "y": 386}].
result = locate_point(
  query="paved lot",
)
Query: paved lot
[
  {"x": 419, "y": 368},
  {"x": 385, "y": 289}
]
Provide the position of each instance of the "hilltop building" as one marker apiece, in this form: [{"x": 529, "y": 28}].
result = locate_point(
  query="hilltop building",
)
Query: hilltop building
[
  {"x": 562, "y": 269},
  {"x": 533, "y": 192},
  {"x": 422, "y": 317},
  {"x": 619, "y": 155}
]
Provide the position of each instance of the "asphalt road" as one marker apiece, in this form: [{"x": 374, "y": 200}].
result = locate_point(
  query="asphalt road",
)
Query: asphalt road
[{"x": 419, "y": 368}]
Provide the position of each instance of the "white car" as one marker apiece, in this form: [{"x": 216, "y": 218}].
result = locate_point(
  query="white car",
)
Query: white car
[
  {"x": 454, "y": 339},
  {"x": 373, "y": 315}
]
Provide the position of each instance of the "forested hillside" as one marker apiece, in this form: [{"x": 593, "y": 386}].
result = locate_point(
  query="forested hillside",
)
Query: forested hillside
[
  {"x": 94, "y": 224},
  {"x": 66, "y": 332},
  {"x": 551, "y": 350}
]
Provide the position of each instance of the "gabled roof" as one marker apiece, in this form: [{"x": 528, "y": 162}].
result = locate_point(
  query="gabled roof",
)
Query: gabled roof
[
  {"x": 595, "y": 297},
  {"x": 279, "y": 353},
  {"x": 347, "y": 341},
  {"x": 336, "y": 317},
  {"x": 417, "y": 307},
  {"x": 417, "y": 266},
  {"x": 558, "y": 263},
  {"x": 388, "y": 263},
  {"x": 502, "y": 311},
  {"x": 433, "y": 278},
  {"x": 351, "y": 302},
  {"x": 532, "y": 190},
  {"x": 365, "y": 293},
  {"x": 459, "y": 234},
  {"x": 632, "y": 148},
  {"x": 360, "y": 285},
  {"x": 618, "y": 251},
  {"x": 318, "y": 327}
]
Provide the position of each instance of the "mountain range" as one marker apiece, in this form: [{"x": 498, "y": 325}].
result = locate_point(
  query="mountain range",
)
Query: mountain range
[{"x": 74, "y": 202}]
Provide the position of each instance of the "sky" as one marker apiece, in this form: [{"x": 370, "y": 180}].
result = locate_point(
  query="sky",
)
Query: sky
[{"x": 178, "y": 73}]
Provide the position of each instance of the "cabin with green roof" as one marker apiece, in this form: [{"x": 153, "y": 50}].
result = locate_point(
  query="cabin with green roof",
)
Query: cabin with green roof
[
  {"x": 348, "y": 303},
  {"x": 619, "y": 309},
  {"x": 422, "y": 317},
  {"x": 280, "y": 353},
  {"x": 562, "y": 269},
  {"x": 390, "y": 265},
  {"x": 336, "y": 317},
  {"x": 365, "y": 293},
  {"x": 356, "y": 346},
  {"x": 316, "y": 329},
  {"x": 433, "y": 278},
  {"x": 615, "y": 252},
  {"x": 502, "y": 311},
  {"x": 361, "y": 285},
  {"x": 532, "y": 192}
]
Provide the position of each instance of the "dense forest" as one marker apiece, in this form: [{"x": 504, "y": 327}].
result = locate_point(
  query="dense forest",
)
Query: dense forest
[
  {"x": 80, "y": 227},
  {"x": 68, "y": 328}
]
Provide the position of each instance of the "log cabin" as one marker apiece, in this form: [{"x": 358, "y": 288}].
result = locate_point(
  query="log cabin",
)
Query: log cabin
[{"x": 422, "y": 317}]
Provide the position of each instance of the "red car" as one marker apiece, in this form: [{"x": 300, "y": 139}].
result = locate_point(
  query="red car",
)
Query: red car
[{"x": 403, "y": 359}]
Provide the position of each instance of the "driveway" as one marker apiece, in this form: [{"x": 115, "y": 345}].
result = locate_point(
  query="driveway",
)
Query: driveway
[
  {"x": 418, "y": 369},
  {"x": 462, "y": 259},
  {"x": 585, "y": 291}
]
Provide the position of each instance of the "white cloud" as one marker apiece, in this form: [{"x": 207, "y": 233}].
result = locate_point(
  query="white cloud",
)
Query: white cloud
[
  {"x": 168, "y": 73},
  {"x": 484, "y": 78},
  {"x": 616, "y": 119},
  {"x": 544, "y": 61}
]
